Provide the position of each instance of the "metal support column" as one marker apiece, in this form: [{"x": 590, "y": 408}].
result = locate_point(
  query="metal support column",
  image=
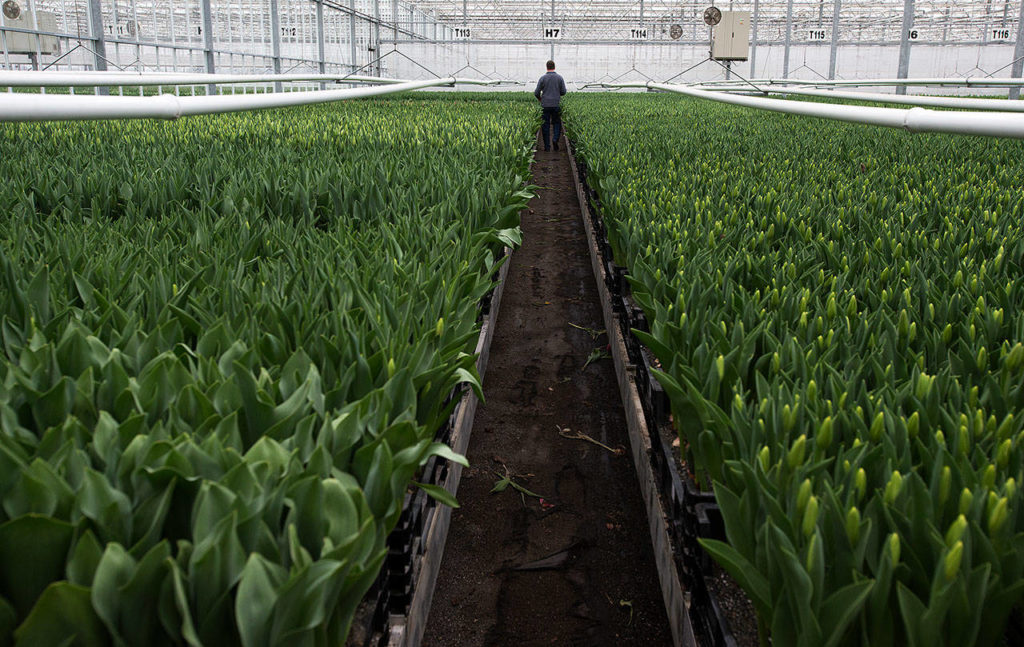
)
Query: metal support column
[
  {"x": 552, "y": 57},
  {"x": 99, "y": 46},
  {"x": 1018, "y": 53},
  {"x": 352, "y": 35},
  {"x": 275, "y": 41},
  {"x": 833, "y": 54},
  {"x": 321, "y": 45},
  {"x": 208, "y": 44},
  {"x": 789, "y": 39},
  {"x": 753, "y": 38},
  {"x": 904, "y": 63},
  {"x": 394, "y": 19},
  {"x": 376, "y": 34}
]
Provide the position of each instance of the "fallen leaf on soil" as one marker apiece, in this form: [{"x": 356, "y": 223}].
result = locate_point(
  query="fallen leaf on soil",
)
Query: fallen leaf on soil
[{"x": 579, "y": 435}]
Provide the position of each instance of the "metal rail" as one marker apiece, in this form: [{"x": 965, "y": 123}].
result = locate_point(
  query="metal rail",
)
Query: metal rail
[
  {"x": 95, "y": 79},
  {"x": 963, "y": 103},
  {"x": 53, "y": 107},
  {"x": 916, "y": 120}
]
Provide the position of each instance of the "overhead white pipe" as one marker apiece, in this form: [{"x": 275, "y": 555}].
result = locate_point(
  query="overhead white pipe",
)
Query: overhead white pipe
[
  {"x": 54, "y": 107},
  {"x": 979, "y": 82},
  {"x": 916, "y": 120},
  {"x": 964, "y": 103},
  {"x": 93, "y": 79}
]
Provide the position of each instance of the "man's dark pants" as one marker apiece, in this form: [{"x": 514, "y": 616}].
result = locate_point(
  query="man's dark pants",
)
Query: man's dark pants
[{"x": 551, "y": 116}]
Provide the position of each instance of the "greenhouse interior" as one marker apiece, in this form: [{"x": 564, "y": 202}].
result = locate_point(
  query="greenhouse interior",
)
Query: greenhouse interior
[{"x": 480, "y": 323}]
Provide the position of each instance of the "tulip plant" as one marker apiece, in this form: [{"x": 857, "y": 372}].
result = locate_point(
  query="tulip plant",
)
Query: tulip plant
[
  {"x": 226, "y": 344},
  {"x": 837, "y": 310}
]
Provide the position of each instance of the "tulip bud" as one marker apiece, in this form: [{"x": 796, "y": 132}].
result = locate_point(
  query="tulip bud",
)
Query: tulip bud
[
  {"x": 982, "y": 359},
  {"x": 945, "y": 481},
  {"x": 765, "y": 456},
  {"x": 913, "y": 424},
  {"x": 720, "y": 367},
  {"x": 1005, "y": 428},
  {"x": 811, "y": 552},
  {"x": 439, "y": 328},
  {"x": 391, "y": 368},
  {"x": 853, "y": 525},
  {"x": 823, "y": 439},
  {"x": 803, "y": 496},
  {"x": 812, "y": 390},
  {"x": 877, "y": 426},
  {"x": 997, "y": 518},
  {"x": 956, "y": 531},
  {"x": 988, "y": 477},
  {"x": 951, "y": 565},
  {"x": 966, "y": 500},
  {"x": 1003, "y": 453},
  {"x": 1016, "y": 357},
  {"x": 893, "y": 487},
  {"x": 861, "y": 483},
  {"x": 1010, "y": 487},
  {"x": 810, "y": 516},
  {"x": 963, "y": 441},
  {"x": 924, "y": 386},
  {"x": 797, "y": 451},
  {"x": 894, "y": 548}
]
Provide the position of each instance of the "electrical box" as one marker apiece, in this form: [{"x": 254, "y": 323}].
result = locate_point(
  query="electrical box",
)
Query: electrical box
[
  {"x": 731, "y": 38},
  {"x": 22, "y": 43}
]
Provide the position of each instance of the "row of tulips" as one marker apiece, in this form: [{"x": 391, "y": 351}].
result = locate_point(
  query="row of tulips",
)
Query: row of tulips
[
  {"x": 837, "y": 310},
  {"x": 227, "y": 343}
]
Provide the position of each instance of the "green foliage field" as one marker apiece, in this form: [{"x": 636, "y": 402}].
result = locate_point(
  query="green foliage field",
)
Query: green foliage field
[
  {"x": 227, "y": 343},
  {"x": 838, "y": 313}
]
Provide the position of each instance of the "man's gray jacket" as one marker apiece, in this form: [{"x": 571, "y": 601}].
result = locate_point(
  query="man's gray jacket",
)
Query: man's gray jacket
[{"x": 550, "y": 89}]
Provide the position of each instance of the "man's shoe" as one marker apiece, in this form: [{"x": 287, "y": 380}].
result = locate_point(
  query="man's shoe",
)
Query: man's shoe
[
  {"x": 556, "y": 146},
  {"x": 548, "y": 150}
]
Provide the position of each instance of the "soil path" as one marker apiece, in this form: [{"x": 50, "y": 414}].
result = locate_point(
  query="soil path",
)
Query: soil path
[{"x": 576, "y": 568}]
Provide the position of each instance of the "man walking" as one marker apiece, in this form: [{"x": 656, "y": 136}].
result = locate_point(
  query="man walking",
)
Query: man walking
[{"x": 550, "y": 89}]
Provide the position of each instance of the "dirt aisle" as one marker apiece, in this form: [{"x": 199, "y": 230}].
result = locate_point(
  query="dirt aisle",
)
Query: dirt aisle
[{"x": 575, "y": 568}]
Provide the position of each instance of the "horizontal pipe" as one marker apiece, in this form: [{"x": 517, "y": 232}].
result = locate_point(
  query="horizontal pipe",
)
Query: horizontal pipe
[
  {"x": 979, "y": 82},
  {"x": 94, "y": 79},
  {"x": 915, "y": 120},
  {"x": 962, "y": 103},
  {"x": 54, "y": 107}
]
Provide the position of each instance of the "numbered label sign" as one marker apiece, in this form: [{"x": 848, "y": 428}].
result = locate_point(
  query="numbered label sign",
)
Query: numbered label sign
[
  {"x": 1001, "y": 34},
  {"x": 817, "y": 34},
  {"x": 462, "y": 33},
  {"x": 552, "y": 33},
  {"x": 638, "y": 33},
  {"x": 913, "y": 34}
]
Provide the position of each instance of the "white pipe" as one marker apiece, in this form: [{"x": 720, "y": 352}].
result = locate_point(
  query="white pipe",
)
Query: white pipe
[
  {"x": 92, "y": 79},
  {"x": 50, "y": 107},
  {"x": 979, "y": 82},
  {"x": 964, "y": 103},
  {"x": 915, "y": 120}
]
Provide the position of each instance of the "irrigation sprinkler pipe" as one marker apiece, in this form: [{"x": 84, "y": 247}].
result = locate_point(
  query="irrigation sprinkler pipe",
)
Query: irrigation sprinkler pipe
[
  {"x": 93, "y": 79},
  {"x": 1002, "y": 105},
  {"x": 915, "y": 120},
  {"x": 52, "y": 107},
  {"x": 979, "y": 82}
]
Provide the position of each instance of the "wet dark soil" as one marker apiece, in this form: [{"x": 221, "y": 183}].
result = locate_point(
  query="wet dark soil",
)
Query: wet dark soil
[{"x": 573, "y": 565}]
